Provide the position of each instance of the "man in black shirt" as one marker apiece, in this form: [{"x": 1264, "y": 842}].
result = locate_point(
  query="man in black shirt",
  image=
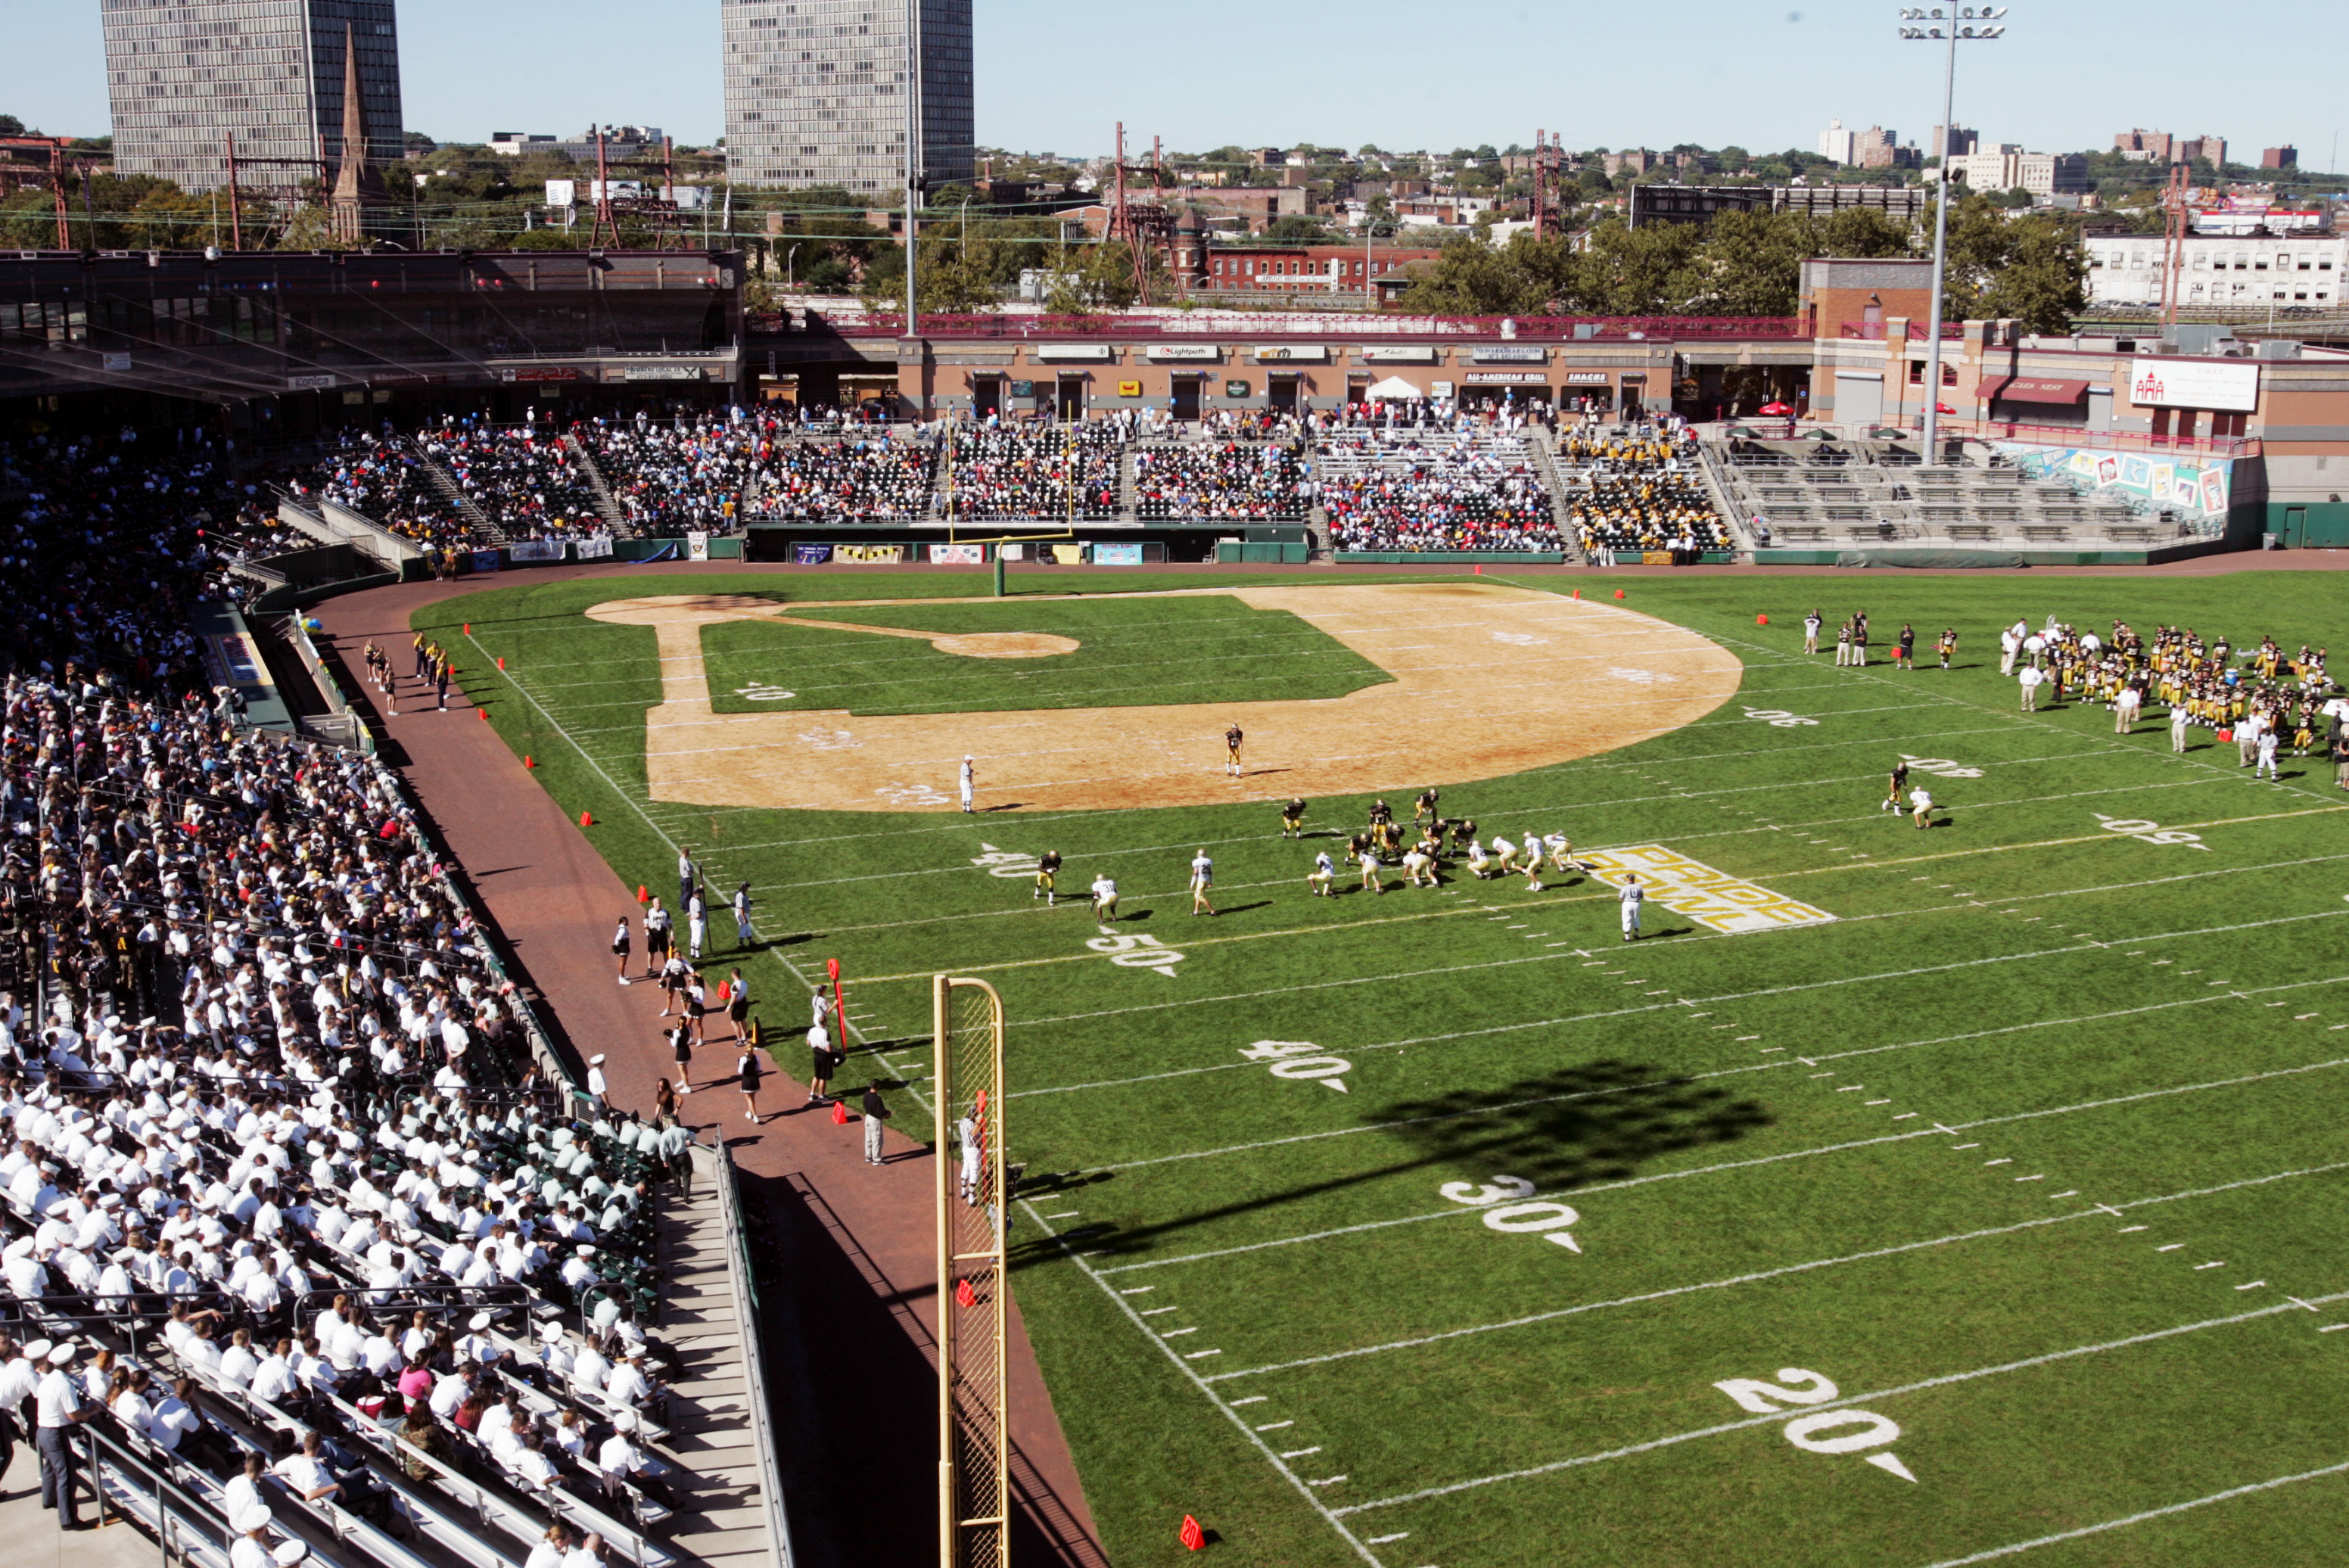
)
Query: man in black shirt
[{"x": 1046, "y": 870}]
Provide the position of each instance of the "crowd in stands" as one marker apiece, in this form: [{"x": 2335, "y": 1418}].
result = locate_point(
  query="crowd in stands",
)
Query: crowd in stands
[
  {"x": 100, "y": 537},
  {"x": 1406, "y": 491},
  {"x": 1256, "y": 481},
  {"x": 264, "y": 1089},
  {"x": 526, "y": 480},
  {"x": 383, "y": 480},
  {"x": 672, "y": 478},
  {"x": 842, "y": 477},
  {"x": 1046, "y": 471},
  {"x": 1641, "y": 492}
]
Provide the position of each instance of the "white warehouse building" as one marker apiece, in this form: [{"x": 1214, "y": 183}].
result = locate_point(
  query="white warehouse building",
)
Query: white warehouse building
[{"x": 2219, "y": 270}]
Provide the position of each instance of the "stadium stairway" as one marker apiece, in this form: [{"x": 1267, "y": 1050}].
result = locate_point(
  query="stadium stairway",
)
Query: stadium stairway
[
  {"x": 455, "y": 492},
  {"x": 1716, "y": 486},
  {"x": 605, "y": 505},
  {"x": 1560, "y": 512},
  {"x": 718, "y": 1468}
]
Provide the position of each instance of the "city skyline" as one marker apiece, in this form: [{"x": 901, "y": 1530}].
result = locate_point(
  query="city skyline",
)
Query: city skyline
[{"x": 596, "y": 60}]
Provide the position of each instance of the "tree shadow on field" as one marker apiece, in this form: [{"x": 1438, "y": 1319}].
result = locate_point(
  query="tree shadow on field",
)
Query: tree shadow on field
[{"x": 1599, "y": 1121}]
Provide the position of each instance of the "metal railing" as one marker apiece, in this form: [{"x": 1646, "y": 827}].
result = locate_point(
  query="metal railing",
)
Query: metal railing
[
  {"x": 1874, "y": 331},
  {"x": 739, "y": 1273},
  {"x": 2102, "y": 440},
  {"x": 1213, "y": 323}
]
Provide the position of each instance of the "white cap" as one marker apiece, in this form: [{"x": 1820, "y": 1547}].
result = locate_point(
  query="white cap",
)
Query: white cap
[
  {"x": 257, "y": 1517},
  {"x": 550, "y": 1331},
  {"x": 38, "y": 1350},
  {"x": 289, "y": 1552},
  {"x": 59, "y": 1355},
  {"x": 596, "y": 1061},
  {"x": 483, "y": 1320},
  {"x": 624, "y": 1421}
]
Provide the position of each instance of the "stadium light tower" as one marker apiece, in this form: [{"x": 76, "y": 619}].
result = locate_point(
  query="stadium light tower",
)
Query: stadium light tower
[{"x": 1933, "y": 23}]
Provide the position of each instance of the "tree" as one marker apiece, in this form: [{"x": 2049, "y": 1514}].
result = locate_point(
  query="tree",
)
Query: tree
[
  {"x": 2026, "y": 265},
  {"x": 1751, "y": 263},
  {"x": 1648, "y": 271},
  {"x": 1474, "y": 277},
  {"x": 11, "y": 126},
  {"x": 1864, "y": 233},
  {"x": 1294, "y": 228}
]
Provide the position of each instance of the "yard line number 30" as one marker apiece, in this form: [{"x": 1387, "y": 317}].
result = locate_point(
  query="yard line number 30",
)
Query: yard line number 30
[{"x": 1808, "y": 1432}]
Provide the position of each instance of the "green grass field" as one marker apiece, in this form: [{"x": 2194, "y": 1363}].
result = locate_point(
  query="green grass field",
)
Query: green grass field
[{"x": 2014, "y": 1191}]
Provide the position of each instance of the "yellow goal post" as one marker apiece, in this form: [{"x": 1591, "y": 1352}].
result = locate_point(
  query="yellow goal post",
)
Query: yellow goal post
[{"x": 974, "y": 1470}]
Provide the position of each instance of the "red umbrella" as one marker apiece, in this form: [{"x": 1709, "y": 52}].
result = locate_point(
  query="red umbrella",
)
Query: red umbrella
[
  {"x": 1777, "y": 407},
  {"x": 1943, "y": 408}
]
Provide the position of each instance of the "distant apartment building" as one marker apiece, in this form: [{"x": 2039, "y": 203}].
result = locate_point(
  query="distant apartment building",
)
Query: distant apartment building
[
  {"x": 181, "y": 79},
  {"x": 816, "y": 91},
  {"x": 1952, "y": 141},
  {"x": 2218, "y": 270},
  {"x": 2194, "y": 149},
  {"x": 1835, "y": 144},
  {"x": 2280, "y": 157},
  {"x": 1631, "y": 161},
  {"x": 2144, "y": 146},
  {"x": 1874, "y": 148},
  {"x": 2042, "y": 174},
  {"x": 619, "y": 142}
]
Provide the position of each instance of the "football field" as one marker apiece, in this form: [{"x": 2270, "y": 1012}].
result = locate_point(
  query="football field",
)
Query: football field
[{"x": 1904, "y": 1196}]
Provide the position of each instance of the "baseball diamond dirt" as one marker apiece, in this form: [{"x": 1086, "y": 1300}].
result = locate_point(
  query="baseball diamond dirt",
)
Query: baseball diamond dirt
[{"x": 1487, "y": 681}]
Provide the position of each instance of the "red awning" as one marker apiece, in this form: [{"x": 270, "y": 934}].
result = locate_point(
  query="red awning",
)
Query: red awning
[{"x": 2036, "y": 389}]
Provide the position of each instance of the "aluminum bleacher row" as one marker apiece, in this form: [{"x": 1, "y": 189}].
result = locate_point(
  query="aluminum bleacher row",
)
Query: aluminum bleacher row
[
  {"x": 1862, "y": 493},
  {"x": 471, "y": 1507}
]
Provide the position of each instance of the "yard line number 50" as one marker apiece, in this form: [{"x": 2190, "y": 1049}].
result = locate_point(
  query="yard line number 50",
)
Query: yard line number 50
[{"x": 1805, "y": 1432}]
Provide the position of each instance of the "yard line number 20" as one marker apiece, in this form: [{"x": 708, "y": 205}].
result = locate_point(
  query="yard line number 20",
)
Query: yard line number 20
[{"x": 1808, "y": 1432}]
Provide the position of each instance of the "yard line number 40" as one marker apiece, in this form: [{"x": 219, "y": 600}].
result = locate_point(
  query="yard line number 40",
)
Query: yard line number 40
[{"x": 1807, "y": 1432}]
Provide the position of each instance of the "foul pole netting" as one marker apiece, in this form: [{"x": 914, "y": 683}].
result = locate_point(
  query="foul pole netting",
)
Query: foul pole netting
[{"x": 974, "y": 1473}]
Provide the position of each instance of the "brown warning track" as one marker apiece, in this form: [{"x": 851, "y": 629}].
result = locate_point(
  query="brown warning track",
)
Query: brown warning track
[{"x": 859, "y": 1430}]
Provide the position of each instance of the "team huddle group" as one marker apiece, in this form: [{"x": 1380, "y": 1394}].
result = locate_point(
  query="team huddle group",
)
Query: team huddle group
[{"x": 2264, "y": 700}]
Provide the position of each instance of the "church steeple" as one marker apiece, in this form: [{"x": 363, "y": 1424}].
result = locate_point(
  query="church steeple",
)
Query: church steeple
[{"x": 356, "y": 186}]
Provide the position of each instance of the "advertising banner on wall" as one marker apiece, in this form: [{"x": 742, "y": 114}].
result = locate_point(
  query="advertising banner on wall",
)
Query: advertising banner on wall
[
  {"x": 593, "y": 546},
  {"x": 1182, "y": 353},
  {"x": 810, "y": 554},
  {"x": 872, "y": 554},
  {"x": 958, "y": 555},
  {"x": 535, "y": 550},
  {"x": 2198, "y": 486},
  {"x": 2194, "y": 384},
  {"x": 697, "y": 545},
  {"x": 486, "y": 561},
  {"x": 1395, "y": 354},
  {"x": 1107, "y": 554}
]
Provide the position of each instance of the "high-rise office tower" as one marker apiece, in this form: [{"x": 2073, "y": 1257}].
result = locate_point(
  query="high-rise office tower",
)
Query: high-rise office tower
[
  {"x": 815, "y": 92},
  {"x": 186, "y": 75}
]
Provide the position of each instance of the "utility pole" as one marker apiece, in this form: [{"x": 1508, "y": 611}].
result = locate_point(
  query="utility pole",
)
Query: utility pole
[
  {"x": 913, "y": 156},
  {"x": 2173, "y": 246},
  {"x": 1949, "y": 18},
  {"x": 235, "y": 228},
  {"x": 57, "y": 190}
]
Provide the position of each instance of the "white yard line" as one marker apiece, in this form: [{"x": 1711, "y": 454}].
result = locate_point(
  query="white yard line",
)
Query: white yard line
[
  {"x": 1736, "y": 1279},
  {"x": 1946, "y": 1381},
  {"x": 1240, "y": 1422},
  {"x": 2122, "y": 1523},
  {"x": 1581, "y": 1191},
  {"x": 659, "y": 832},
  {"x": 1708, "y": 1002}
]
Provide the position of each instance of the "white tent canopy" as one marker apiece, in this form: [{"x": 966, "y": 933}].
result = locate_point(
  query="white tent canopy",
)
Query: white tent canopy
[{"x": 1392, "y": 387}]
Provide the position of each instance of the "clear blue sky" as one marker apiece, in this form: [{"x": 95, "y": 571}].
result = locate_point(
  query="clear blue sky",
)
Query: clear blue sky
[{"x": 1400, "y": 73}]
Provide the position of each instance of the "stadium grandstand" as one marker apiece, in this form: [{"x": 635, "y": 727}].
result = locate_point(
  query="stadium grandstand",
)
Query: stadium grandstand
[
  {"x": 328, "y": 1243},
  {"x": 350, "y": 1220}
]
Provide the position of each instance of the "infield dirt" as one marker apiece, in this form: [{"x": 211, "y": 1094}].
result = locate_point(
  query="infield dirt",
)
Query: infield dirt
[{"x": 1488, "y": 680}]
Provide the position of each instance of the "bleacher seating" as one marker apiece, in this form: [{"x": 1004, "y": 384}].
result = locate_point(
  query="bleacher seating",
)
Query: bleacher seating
[
  {"x": 1433, "y": 489},
  {"x": 1259, "y": 481},
  {"x": 324, "y": 1121},
  {"x": 1859, "y": 493}
]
